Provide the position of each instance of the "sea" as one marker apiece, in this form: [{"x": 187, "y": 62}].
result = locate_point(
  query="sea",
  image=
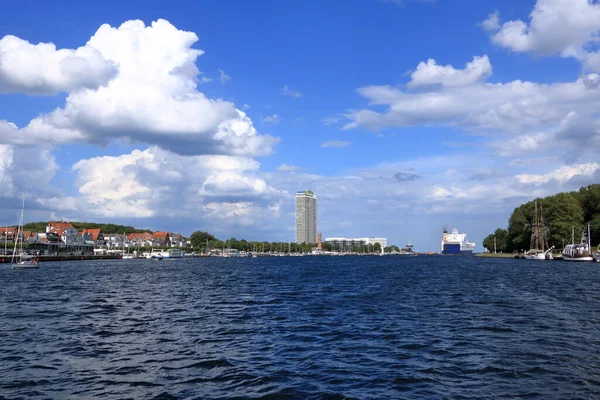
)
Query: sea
[{"x": 392, "y": 327}]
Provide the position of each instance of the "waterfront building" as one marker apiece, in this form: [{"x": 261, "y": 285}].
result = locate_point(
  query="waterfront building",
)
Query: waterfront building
[
  {"x": 306, "y": 217},
  {"x": 346, "y": 244}
]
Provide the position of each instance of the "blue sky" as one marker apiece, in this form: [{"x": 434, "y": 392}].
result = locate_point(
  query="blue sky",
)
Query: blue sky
[{"x": 404, "y": 116}]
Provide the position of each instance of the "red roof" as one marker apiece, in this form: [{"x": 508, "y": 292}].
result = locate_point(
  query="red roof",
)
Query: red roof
[
  {"x": 59, "y": 227},
  {"x": 140, "y": 236},
  {"x": 160, "y": 235},
  {"x": 94, "y": 232}
]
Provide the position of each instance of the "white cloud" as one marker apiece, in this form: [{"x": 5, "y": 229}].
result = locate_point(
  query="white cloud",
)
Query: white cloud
[
  {"x": 286, "y": 91},
  {"x": 431, "y": 73},
  {"x": 492, "y": 23},
  {"x": 335, "y": 143},
  {"x": 148, "y": 183},
  {"x": 153, "y": 99},
  {"x": 223, "y": 77},
  {"x": 246, "y": 107},
  {"x": 42, "y": 69},
  {"x": 516, "y": 116},
  {"x": 288, "y": 168},
  {"x": 563, "y": 27},
  {"x": 272, "y": 119},
  {"x": 331, "y": 121},
  {"x": 26, "y": 170},
  {"x": 204, "y": 79},
  {"x": 560, "y": 175}
]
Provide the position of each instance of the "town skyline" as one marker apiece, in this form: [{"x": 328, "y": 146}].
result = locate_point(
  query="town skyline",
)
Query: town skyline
[{"x": 409, "y": 117}]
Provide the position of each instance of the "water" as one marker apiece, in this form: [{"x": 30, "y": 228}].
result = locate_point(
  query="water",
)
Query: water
[{"x": 305, "y": 327}]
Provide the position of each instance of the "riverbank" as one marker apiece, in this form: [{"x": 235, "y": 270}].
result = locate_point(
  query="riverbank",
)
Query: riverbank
[
  {"x": 496, "y": 255},
  {"x": 41, "y": 259},
  {"x": 555, "y": 256}
]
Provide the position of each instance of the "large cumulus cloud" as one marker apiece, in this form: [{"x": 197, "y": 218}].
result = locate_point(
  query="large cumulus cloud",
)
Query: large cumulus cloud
[{"x": 151, "y": 98}]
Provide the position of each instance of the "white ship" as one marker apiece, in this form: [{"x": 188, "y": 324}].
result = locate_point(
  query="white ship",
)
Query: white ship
[
  {"x": 456, "y": 243},
  {"x": 581, "y": 251}
]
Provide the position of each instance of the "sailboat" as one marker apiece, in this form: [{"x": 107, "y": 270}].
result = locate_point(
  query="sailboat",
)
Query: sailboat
[
  {"x": 539, "y": 239},
  {"x": 581, "y": 251},
  {"x": 19, "y": 261}
]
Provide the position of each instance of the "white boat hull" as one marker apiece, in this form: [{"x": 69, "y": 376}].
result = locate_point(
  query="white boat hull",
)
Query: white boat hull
[
  {"x": 26, "y": 265},
  {"x": 539, "y": 256},
  {"x": 583, "y": 258}
]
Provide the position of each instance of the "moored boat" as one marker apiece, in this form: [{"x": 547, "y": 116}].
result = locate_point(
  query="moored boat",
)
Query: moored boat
[
  {"x": 20, "y": 260},
  {"x": 581, "y": 251},
  {"x": 539, "y": 238}
]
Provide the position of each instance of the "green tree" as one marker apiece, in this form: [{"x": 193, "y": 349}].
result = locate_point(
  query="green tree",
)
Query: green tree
[
  {"x": 502, "y": 241},
  {"x": 377, "y": 247},
  {"x": 198, "y": 239},
  {"x": 562, "y": 213}
]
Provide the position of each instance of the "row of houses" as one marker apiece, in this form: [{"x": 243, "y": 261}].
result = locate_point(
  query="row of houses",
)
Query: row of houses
[{"x": 66, "y": 233}]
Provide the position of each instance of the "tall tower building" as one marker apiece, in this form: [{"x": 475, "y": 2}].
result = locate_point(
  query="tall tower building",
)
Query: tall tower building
[{"x": 306, "y": 217}]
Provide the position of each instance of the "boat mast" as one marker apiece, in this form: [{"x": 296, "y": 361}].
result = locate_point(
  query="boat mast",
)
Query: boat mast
[
  {"x": 536, "y": 227},
  {"x": 543, "y": 230},
  {"x": 17, "y": 240},
  {"x": 589, "y": 238}
]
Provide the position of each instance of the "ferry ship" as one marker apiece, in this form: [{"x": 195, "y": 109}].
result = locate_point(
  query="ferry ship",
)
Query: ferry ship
[{"x": 456, "y": 243}]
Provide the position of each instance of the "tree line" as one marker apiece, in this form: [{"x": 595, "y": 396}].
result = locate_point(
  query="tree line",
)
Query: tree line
[
  {"x": 107, "y": 229},
  {"x": 201, "y": 241},
  {"x": 562, "y": 213}
]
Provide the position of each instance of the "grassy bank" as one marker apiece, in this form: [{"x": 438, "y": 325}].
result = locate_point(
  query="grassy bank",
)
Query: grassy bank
[{"x": 495, "y": 255}]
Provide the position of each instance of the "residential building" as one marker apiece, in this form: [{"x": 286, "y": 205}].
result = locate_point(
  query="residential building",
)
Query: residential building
[
  {"x": 116, "y": 241},
  {"x": 346, "y": 244},
  {"x": 176, "y": 240},
  {"x": 8, "y": 233},
  {"x": 161, "y": 238},
  {"x": 144, "y": 239},
  {"x": 93, "y": 235},
  {"x": 306, "y": 217},
  {"x": 65, "y": 231}
]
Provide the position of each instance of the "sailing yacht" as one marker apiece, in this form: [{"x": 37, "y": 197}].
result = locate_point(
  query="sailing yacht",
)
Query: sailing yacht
[
  {"x": 581, "y": 251},
  {"x": 19, "y": 260},
  {"x": 539, "y": 238}
]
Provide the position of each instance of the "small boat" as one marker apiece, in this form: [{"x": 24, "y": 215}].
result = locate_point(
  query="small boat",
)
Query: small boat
[
  {"x": 537, "y": 254},
  {"x": 581, "y": 251},
  {"x": 20, "y": 260},
  {"x": 597, "y": 255}
]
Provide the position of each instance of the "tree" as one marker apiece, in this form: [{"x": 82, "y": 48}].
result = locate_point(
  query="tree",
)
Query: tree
[
  {"x": 562, "y": 213},
  {"x": 501, "y": 237},
  {"x": 199, "y": 239},
  {"x": 377, "y": 247}
]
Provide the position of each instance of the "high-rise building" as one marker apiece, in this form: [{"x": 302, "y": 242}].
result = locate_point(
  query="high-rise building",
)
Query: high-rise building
[{"x": 306, "y": 217}]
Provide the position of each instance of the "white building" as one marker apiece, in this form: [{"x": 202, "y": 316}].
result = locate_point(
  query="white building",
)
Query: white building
[
  {"x": 306, "y": 217},
  {"x": 345, "y": 244}
]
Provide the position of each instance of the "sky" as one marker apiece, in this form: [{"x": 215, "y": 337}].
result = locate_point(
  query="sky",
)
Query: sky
[{"x": 404, "y": 117}]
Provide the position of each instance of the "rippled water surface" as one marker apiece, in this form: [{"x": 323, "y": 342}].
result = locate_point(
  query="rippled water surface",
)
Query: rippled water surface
[{"x": 305, "y": 327}]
